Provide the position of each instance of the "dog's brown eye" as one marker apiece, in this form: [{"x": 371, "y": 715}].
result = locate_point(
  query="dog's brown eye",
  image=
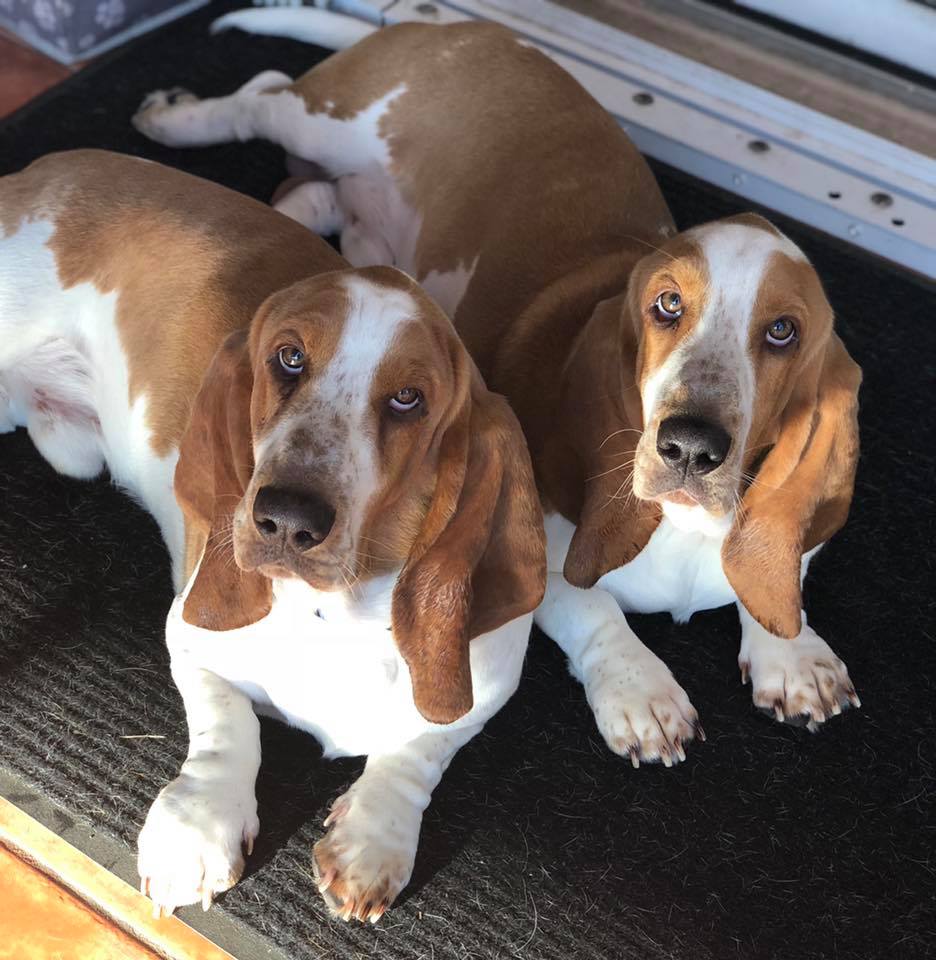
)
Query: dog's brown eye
[
  {"x": 292, "y": 360},
  {"x": 668, "y": 307},
  {"x": 781, "y": 332},
  {"x": 405, "y": 400}
]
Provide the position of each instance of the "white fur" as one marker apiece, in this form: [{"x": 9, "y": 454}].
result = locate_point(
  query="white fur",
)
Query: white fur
[
  {"x": 321, "y": 27},
  {"x": 448, "y": 287},
  {"x": 315, "y": 205},
  {"x": 64, "y": 376},
  {"x": 640, "y": 708},
  {"x": 325, "y": 662}
]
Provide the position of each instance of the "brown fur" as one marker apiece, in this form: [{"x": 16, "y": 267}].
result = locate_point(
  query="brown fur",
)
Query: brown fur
[
  {"x": 479, "y": 558},
  {"x": 191, "y": 262},
  {"x": 195, "y": 267},
  {"x": 213, "y": 471},
  {"x": 571, "y": 241},
  {"x": 802, "y": 492},
  {"x": 510, "y": 199}
]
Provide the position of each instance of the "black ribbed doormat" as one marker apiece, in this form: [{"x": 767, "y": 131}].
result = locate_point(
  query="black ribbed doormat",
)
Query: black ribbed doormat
[{"x": 767, "y": 842}]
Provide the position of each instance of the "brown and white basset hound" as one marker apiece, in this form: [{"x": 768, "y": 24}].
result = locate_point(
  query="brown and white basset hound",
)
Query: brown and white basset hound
[
  {"x": 690, "y": 411},
  {"x": 359, "y": 547}
]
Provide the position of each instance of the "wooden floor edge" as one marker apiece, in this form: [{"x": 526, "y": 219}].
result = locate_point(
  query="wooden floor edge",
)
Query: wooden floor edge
[{"x": 110, "y": 896}]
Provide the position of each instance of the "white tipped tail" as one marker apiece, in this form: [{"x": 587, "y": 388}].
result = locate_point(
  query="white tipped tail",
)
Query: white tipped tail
[{"x": 321, "y": 27}]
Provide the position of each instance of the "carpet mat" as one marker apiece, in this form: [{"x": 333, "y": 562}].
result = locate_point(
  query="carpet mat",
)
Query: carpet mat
[{"x": 768, "y": 842}]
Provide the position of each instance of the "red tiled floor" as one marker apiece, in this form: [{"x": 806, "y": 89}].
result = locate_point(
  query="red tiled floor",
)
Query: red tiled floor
[{"x": 24, "y": 73}]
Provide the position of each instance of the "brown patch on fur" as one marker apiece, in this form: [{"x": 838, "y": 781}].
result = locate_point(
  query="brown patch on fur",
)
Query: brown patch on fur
[
  {"x": 191, "y": 262},
  {"x": 213, "y": 471},
  {"x": 806, "y": 416},
  {"x": 590, "y": 459},
  {"x": 479, "y": 558}
]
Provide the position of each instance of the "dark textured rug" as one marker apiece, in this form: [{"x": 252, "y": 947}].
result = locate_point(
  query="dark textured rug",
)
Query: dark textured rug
[{"x": 767, "y": 842}]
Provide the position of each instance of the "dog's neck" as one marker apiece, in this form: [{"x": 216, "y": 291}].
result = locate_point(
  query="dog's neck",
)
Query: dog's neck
[{"x": 363, "y": 600}]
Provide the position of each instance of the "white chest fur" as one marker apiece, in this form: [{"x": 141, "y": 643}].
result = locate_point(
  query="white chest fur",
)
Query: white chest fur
[
  {"x": 678, "y": 572},
  {"x": 333, "y": 669}
]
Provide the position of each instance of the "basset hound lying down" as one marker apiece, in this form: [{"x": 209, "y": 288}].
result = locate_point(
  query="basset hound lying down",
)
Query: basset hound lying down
[
  {"x": 356, "y": 506},
  {"x": 690, "y": 411}
]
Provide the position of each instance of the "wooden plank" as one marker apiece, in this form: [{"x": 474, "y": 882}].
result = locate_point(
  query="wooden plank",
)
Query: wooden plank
[{"x": 76, "y": 883}]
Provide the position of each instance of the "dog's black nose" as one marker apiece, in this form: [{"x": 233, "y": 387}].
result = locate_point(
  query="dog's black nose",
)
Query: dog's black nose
[
  {"x": 301, "y": 518},
  {"x": 692, "y": 445}
]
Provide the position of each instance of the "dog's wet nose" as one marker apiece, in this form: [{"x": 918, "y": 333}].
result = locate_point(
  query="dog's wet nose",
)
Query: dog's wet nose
[
  {"x": 692, "y": 445},
  {"x": 301, "y": 519}
]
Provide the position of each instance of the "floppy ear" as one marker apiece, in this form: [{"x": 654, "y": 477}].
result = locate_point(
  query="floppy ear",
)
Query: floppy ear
[
  {"x": 591, "y": 459},
  {"x": 479, "y": 560},
  {"x": 801, "y": 494},
  {"x": 214, "y": 468}
]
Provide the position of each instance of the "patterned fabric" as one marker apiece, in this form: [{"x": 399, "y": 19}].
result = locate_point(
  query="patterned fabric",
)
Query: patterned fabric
[{"x": 72, "y": 28}]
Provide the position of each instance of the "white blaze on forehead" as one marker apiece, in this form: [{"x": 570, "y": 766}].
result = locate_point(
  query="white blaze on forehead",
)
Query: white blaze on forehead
[
  {"x": 376, "y": 315},
  {"x": 737, "y": 257}
]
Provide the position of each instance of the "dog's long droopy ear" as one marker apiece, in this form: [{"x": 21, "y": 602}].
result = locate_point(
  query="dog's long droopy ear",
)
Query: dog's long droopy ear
[
  {"x": 801, "y": 494},
  {"x": 480, "y": 557},
  {"x": 214, "y": 468},
  {"x": 600, "y": 424}
]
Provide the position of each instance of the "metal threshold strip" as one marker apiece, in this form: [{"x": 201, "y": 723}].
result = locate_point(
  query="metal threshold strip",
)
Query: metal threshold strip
[{"x": 842, "y": 180}]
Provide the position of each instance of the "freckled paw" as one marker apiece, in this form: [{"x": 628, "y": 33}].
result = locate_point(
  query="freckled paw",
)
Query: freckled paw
[
  {"x": 193, "y": 846},
  {"x": 361, "y": 865},
  {"x": 800, "y": 682},
  {"x": 645, "y": 715}
]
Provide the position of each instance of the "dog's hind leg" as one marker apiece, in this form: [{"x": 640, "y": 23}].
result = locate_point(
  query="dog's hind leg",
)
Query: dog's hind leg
[
  {"x": 178, "y": 118},
  {"x": 48, "y": 388}
]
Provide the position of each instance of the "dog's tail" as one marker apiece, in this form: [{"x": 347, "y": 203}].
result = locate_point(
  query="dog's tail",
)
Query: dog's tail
[{"x": 334, "y": 31}]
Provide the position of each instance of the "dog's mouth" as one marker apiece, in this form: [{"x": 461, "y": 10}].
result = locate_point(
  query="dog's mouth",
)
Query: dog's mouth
[
  {"x": 324, "y": 579},
  {"x": 322, "y": 568},
  {"x": 681, "y": 498},
  {"x": 715, "y": 496}
]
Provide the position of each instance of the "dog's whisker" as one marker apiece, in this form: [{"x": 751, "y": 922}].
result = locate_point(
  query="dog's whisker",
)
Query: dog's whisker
[
  {"x": 618, "y": 432},
  {"x": 605, "y": 473}
]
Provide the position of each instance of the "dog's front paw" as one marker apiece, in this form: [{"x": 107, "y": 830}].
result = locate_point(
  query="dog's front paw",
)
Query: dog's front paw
[
  {"x": 366, "y": 857},
  {"x": 192, "y": 844},
  {"x": 641, "y": 711},
  {"x": 799, "y": 680},
  {"x": 158, "y": 116}
]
